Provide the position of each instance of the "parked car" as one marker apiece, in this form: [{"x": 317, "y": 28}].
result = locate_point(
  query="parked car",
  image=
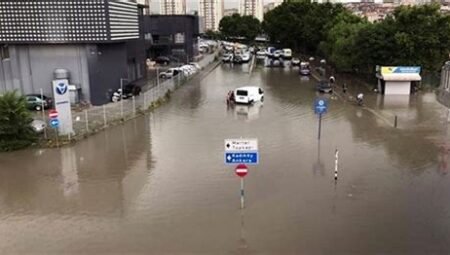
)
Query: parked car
[
  {"x": 131, "y": 90},
  {"x": 245, "y": 57},
  {"x": 295, "y": 62},
  {"x": 270, "y": 51},
  {"x": 248, "y": 95},
  {"x": 227, "y": 57},
  {"x": 38, "y": 126},
  {"x": 162, "y": 60},
  {"x": 277, "y": 53},
  {"x": 324, "y": 87},
  {"x": 47, "y": 99},
  {"x": 34, "y": 102},
  {"x": 187, "y": 70},
  {"x": 261, "y": 54},
  {"x": 196, "y": 65},
  {"x": 169, "y": 73}
]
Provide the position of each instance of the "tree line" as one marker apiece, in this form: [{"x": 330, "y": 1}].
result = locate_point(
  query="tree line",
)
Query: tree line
[{"x": 411, "y": 35}]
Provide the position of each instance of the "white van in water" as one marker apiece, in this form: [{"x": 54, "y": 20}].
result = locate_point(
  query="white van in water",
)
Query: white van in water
[{"x": 248, "y": 95}]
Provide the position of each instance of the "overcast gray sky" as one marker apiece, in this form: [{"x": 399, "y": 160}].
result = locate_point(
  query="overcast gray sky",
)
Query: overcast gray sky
[{"x": 193, "y": 4}]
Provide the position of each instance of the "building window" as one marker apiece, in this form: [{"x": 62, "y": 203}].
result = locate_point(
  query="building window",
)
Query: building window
[
  {"x": 179, "y": 38},
  {"x": 4, "y": 52}
]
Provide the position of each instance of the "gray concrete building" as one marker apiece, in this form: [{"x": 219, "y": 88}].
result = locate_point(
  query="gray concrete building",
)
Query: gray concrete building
[
  {"x": 97, "y": 41},
  {"x": 174, "y": 36},
  {"x": 443, "y": 93}
]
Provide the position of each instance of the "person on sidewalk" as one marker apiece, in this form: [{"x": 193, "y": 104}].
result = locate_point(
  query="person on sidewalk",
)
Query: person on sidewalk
[{"x": 332, "y": 80}]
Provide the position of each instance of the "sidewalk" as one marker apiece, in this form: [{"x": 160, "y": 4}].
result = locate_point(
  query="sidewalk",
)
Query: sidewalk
[{"x": 97, "y": 118}]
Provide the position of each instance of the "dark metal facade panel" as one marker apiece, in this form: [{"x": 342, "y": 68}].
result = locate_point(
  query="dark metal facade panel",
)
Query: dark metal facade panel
[
  {"x": 70, "y": 21},
  {"x": 123, "y": 18}
]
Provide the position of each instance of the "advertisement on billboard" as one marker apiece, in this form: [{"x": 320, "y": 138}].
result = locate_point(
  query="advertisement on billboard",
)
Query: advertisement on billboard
[
  {"x": 62, "y": 106},
  {"x": 400, "y": 69}
]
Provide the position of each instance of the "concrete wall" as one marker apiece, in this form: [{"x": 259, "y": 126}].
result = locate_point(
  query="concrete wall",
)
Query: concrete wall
[
  {"x": 397, "y": 88},
  {"x": 30, "y": 67},
  {"x": 443, "y": 93},
  {"x": 96, "y": 69},
  {"x": 107, "y": 65}
]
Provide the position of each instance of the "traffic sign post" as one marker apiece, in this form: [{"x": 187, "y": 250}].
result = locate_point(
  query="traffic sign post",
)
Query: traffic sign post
[
  {"x": 54, "y": 123},
  {"x": 241, "y": 151},
  {"x": 241, "y": 170},
  {"x": 53, "y": 114},
  {"x": 320, "y": 107}
]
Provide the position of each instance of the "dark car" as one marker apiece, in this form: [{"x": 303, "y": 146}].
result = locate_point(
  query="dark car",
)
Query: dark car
[
  {"x": 162, "y": 60},
  {"x": 131, "y": 90},
  {"x": 34, "y": 102},
  {"x": 324, "y": 87}
]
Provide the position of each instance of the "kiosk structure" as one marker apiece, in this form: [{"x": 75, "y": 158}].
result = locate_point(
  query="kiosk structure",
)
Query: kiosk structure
[{"x": 398, "y": 80}]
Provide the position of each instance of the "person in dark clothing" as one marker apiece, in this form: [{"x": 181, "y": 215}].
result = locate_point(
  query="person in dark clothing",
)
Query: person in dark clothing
[{"x": 344, "y": 87}]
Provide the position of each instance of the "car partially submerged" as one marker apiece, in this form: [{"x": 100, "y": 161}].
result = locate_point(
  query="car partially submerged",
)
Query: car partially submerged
[
  {"x": 324, "y": 87},
  {"x": 304, "y": 68},
  {"x": 248, "y": 95}
]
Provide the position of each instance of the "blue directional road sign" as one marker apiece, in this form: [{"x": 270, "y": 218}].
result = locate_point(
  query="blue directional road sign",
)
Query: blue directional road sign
[
  {"x": 54, "y": 123},
  {"x": 320, "y": 105},
  {"x": 241, "y": 157}
]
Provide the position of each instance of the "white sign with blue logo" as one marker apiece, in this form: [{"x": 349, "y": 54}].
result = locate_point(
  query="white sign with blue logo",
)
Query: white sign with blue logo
[
  {"x": 241, "y": 151},
  {"x": 54, "y": 123},
  {"x": 62, "y": 105},
  {"x": 320, "y": 106}
]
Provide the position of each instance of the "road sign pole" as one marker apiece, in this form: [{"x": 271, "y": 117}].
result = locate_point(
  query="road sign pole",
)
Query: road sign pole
[
  {"x": 43, "y": 113},
  {"x": 242, "y": 193},
  {"x": 336, "y": 155},
  {"x": 57, "y": 138},
  {"x": 320, "y": 125}
]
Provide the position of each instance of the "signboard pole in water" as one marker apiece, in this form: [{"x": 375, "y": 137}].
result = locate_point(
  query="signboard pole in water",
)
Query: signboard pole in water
[
  {"x": 241, "y": 170},
  {"x": 320, "y": 107}
]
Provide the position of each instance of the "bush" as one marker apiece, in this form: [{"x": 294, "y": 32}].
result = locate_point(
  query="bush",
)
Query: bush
[{"x": 15, "y": 119}]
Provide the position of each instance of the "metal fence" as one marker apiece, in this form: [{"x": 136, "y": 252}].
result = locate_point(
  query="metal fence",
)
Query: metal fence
[{"x": 96, "y": 118}]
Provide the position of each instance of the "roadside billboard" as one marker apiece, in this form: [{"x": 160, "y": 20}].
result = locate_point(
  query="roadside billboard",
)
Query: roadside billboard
[{"x": 400, "y": 69}]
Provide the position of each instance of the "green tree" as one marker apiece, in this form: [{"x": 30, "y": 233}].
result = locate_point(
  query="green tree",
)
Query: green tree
[
  {"x": 240, "y": 26},
  {"x": 422, "y": 35},
  {"x": 213, "y": 35},
  {"x": 15, "y": 119},
  {"x": 300, "y": 25},
  {"x": 340, "y": 46}
]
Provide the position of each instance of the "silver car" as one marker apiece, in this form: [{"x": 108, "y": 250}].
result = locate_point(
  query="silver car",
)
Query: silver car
[{"x": 38, "y": 126}]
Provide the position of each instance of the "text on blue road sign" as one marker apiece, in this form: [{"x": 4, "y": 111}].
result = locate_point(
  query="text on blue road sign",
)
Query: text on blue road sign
[
  {"x": 320, "y": 105},
  {"x": 241, "y": 157}
]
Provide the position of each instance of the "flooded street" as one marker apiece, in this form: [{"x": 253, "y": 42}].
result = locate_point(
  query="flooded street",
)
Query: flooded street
[{"x": 159, "y": 185}]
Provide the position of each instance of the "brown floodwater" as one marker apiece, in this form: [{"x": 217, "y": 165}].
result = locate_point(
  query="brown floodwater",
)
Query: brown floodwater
[{"x": 159, "y": 185}]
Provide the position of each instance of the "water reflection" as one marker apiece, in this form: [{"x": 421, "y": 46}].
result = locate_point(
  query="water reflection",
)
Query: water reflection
[
  {"x": 86, "y": 178},
  {"x": 69, "y": 172},
  {"x": 247, "y": 112}
]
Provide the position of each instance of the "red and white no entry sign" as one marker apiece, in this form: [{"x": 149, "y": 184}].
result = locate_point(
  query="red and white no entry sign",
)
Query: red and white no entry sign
[
  {"x": 53, "y": 114},
  {"x": 241, "y": 170}
]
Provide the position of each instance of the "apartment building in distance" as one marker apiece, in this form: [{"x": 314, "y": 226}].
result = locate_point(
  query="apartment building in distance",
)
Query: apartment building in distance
[
  {"x": 173, "y": 7},
  {"x": 252, "y": 8},
  {"x": 270, "y": 6},
  {"x": 230, "y": 12},
  {"x": 212, "y": 12}
]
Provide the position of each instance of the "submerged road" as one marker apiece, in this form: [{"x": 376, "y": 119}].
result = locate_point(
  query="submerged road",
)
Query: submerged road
[{"x": 158, "y": 184}]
